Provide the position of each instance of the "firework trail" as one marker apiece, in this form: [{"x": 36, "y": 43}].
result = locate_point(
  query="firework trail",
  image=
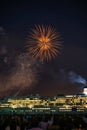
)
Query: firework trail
[{"x": 44, "y": 43}]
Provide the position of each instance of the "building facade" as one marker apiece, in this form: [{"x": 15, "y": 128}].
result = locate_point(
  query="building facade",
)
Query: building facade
[{"x": 37, "y": 104}]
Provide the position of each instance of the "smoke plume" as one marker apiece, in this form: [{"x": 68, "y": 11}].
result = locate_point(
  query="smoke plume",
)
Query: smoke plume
[
  {"x": 75, "y": 78},
  {"x": 20, "y": 77}
]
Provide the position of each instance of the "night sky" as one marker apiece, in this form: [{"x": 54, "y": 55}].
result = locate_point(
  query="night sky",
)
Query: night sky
[{"x": 65, "y": 74}]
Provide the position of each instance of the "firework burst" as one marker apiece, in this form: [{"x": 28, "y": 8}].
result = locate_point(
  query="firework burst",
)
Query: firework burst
[{"x": 44, "y": 43}]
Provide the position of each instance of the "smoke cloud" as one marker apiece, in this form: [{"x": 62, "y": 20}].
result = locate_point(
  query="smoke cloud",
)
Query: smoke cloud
[
  {"x": 61, "y": 81},
  {"x": 20, "y": 78},
  {"x": 72, "y": 77},
  {"x": 18, "y": 71},
  {"x": 63, "y": 75},
  {"x": 75, "y": 78}
]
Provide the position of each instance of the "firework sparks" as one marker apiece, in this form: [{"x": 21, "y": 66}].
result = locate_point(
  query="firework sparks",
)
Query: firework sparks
[{"x": 44, "y": 43}]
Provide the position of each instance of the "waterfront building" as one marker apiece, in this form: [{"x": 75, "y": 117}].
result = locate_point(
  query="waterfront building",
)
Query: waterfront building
[{"x": 36, "y": 104}]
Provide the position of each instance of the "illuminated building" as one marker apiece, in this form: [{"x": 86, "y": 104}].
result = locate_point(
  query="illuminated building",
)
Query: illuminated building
[{"x": 36, "y": 104}]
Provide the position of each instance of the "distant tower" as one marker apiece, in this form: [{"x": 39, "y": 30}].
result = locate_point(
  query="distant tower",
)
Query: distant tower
[{"x": 85, "y": 90}]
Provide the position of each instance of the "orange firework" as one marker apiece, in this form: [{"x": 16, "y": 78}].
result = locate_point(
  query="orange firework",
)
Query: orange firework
[{"x": 44, "y": 43}]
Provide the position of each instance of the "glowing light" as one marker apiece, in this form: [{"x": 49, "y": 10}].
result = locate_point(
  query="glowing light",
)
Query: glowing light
[
  {"x": 30, "y": 106},
  {"x": 85, "y": 91},
  {"x": 44, "y": 43}
]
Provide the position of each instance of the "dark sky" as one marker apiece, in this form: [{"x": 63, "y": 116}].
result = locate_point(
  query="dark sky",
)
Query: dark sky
[{"x": 70, "y": 19}]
